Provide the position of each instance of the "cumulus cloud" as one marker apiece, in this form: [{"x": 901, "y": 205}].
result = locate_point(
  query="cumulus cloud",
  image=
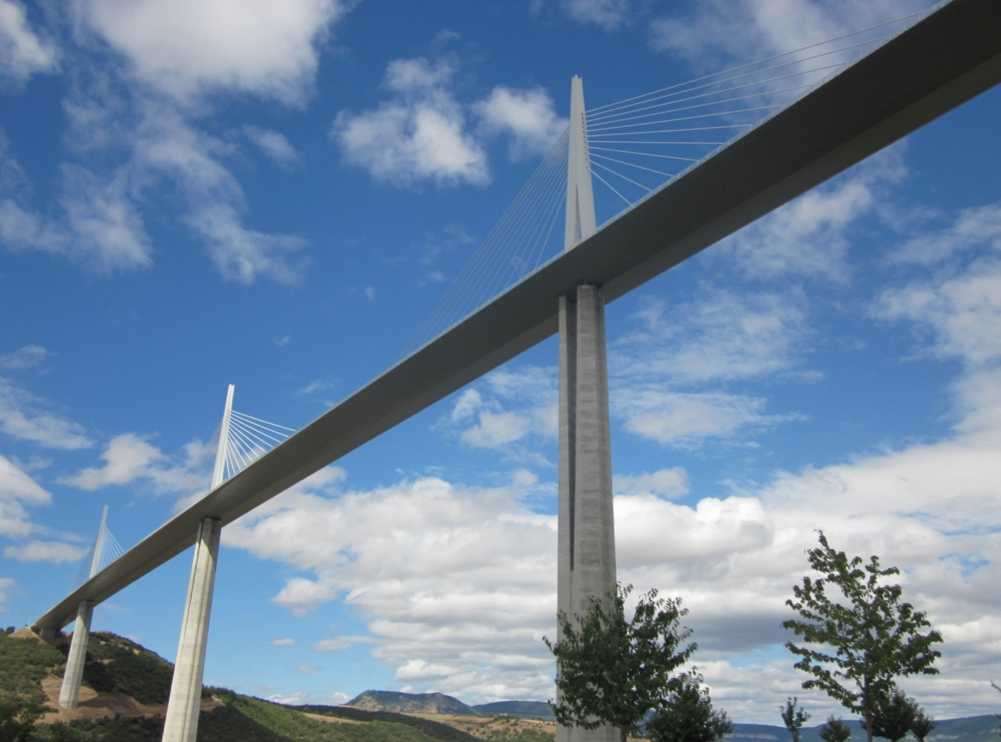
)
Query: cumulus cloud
[
  {"x": 527, "y": 116},
  {"x": 23, "y": 52},
  {"x": 129, "y": 457},
  {"x": 283, "y": 642},
  {"x": 18, "y": 489},
  {"x": 55, "y": 552},
  {"x": 420, "y": 133},
  {"x": 670, "y": 483},
  {"x": 192, "y": 48}
]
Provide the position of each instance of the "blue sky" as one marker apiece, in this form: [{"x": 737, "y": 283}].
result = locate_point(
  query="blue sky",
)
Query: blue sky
[{"x": 279, "y": 199}]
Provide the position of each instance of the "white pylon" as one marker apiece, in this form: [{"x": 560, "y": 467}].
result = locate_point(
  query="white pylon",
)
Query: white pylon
[
  {"x": 185, "y": 704},
  {"x": 69, "y": 691},
  {"x": 586, "y": 538}
]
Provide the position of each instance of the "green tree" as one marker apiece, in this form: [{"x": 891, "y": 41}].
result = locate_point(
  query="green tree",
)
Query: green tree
[
  {"x": 998, "y": 689},
  {"x": 612, "y": 671},
  {"x": 793, "y": 717},
  {"x": 922, "y": 725},
  {"x": 876, "y": 637},
  {"x": 687, "y": 715},
  {"x": 835, "y": 730},
  {"x": 894, "y": 716},
  {"x": 17, "y": 718}
]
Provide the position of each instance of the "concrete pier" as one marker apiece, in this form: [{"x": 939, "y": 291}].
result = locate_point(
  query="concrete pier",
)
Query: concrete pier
[
  {"x": 586, "y": 558},
  {"x": 586, "y": 561},
  {"x": 69, "y": 693},
  {"x": 184, "y": 706}
]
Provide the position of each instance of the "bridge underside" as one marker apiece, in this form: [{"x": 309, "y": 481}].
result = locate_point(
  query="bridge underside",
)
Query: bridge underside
[{"x": 944, "y": 60}]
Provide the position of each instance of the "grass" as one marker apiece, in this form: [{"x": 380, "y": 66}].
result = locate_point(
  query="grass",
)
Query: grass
[
  {"x": 118, "y": 665},
  {"x": 25, "y": 662}
]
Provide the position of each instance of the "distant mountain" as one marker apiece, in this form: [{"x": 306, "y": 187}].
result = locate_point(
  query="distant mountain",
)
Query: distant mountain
[
  {"x": 527, "y": 709},
  {"x": 410, "y": 703},
  {"x": 968, "y": 729}
]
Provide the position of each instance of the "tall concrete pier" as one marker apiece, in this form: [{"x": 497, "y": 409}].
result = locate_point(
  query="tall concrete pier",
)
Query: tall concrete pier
[
  {"x": 586, "y": 559},
  {"x": 185, "y": 703},
  {"x": 69, "y": 692}
]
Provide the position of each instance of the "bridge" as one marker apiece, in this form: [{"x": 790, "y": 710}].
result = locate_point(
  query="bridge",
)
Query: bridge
[{"x": 938, "y": 62}]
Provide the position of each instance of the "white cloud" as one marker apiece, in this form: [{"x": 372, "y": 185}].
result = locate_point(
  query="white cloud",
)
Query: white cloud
[
  {"x": 811, "y": 235},
  {"x": 126, "y": 458},
  {"x": 22, "y": 51},
  {"x": 169, "y": 145},
  {"x": 21, "y": 229},
  {"x": 419, "y": 134},
  {"x": 242, "y": 254},
  {"x": 527, "y": 116},
  {"x": 963, "y": 312},
  {"x": 370, "y": 293},
  {"x": 24, "y": 416},
  {"x": 494, "y": 429},
  {"x": 466, "y": 405},
  {"x": 606, "y": 14},
  {"x": 129, "y": 458},
  {"x": 54, "y": 552},
  {"x": 686, "y": 420},
  {"x": 975, "y": 227},
  {"x": 17, "y": 489},
  {"x": 339, "y": 643},
  {"x": 719, "y": 31},
  {"x": 108, "y": 232},
  {"x": 669, "y": 483},
  {"x": 284, "y": 642},
  {"x": 452, "y": 606},
  {"x": 27, "y": 356},
  {"x": 191, "y": 48},
  {"x": 274, "y": 144},
  {"x": 722, "y": 336},
  {"x": 301, "y": 595}
]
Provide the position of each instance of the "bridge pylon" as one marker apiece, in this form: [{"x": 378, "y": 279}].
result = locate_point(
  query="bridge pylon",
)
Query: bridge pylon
[
  {"x": 586, "y": 531},
  {"x": 185, "y": 703},
  {"x": 69, "y": 692}
]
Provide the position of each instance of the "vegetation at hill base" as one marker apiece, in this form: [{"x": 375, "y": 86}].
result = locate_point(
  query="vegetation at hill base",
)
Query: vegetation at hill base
[{"x": 116, "y": 665}]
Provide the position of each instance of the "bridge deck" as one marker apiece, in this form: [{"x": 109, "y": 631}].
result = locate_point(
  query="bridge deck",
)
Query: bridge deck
[{"x": 947, "y": 58}]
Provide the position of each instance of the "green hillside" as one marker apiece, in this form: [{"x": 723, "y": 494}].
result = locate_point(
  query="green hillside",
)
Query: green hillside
[{"x": 119, "y": 668}]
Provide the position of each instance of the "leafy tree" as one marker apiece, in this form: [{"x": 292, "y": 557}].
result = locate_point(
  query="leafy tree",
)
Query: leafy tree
[
  {"x": 876, "y": 638},
  {"x": 835, "y": 730},
  {"x": 687, "y": 715},
  {"x": 794, "y": 718},
  {"x": 894, "y": 716},
  {"x": 18, "y": 717},
  {"x": 922, "y": 725},
  {"x": 998, "y": 689},
  {"x": 611, "y": 671}
]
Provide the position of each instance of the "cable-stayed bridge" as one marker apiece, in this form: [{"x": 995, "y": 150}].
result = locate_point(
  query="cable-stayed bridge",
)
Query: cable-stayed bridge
[{"x": 665, "y": 174}]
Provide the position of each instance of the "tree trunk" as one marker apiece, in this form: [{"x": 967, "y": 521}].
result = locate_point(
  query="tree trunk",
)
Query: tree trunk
[
  {"x": 868, "y": 727},
  {"x": 625, "y": 735}
]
